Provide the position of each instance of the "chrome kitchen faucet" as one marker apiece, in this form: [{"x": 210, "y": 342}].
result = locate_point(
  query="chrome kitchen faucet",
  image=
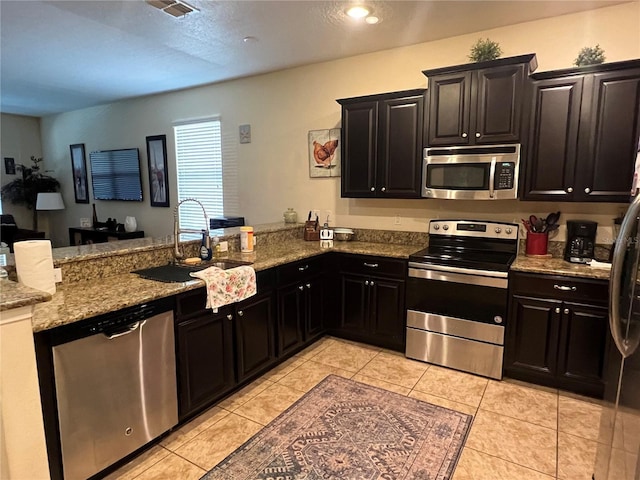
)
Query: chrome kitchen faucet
[{"x": 177, "y": 230}]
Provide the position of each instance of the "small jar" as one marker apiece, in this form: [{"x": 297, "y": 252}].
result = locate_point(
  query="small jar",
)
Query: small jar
[
  {"x": 290, "y": 216},
  {"x": 246, "y": 239}
]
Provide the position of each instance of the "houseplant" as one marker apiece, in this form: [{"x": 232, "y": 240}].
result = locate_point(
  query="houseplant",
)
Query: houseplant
[
  {"x": 590, "y": 56},
  {"x": 485, "y": 49},
  {"x": 24, "y": 189}
]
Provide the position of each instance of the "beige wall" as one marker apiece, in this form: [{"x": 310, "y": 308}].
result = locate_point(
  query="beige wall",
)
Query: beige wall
[{"x": 283, "y": 106}]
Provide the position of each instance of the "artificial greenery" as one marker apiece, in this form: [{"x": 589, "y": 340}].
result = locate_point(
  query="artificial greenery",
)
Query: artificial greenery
[
  {"x": 24, "y": 190},
  {"x": 590, "y": 56},
  {"x": 485, "y": 49}
]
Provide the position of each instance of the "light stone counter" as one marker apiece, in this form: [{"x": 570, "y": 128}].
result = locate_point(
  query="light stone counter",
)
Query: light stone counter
[
  {"x": 81, "y": 300},
  {"x": 14, "y": 295},
  {"x": 557, "y": 266}
]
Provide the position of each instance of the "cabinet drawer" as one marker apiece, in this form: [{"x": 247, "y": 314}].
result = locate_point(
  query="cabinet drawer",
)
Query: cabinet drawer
[
  {"x": 297, "y": 271},
  {"x": 193, "y": 302},
  {"x": 373, "y": 265},
  {"x": 560, "y": 287}
]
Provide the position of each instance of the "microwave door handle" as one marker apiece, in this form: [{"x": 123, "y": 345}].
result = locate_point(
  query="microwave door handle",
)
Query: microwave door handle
[{"x": 492, "y": 177}]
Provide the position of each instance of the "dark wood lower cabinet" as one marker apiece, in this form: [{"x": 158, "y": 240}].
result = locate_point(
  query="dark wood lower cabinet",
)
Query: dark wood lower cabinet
[
  {"x": 290, "y": 318},
  {"x": 255, "y": 336},
  {"x": 204, "y": 360},
  {"x": 562, "y": 340},
  {"x": 372, "y": 305}
]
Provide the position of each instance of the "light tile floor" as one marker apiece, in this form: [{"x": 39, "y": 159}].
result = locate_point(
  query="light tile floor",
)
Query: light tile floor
[{"x": 520, "y": 431}]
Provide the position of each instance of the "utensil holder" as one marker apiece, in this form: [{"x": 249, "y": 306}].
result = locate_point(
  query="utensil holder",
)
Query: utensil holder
[
  {"x": 311, "y": 230},
  {"x": 537, "y": 243}
]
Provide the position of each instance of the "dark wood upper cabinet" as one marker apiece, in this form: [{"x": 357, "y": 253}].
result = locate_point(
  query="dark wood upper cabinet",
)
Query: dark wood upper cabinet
[
  {"x": 584, "y": 130},
  {"x": 382, "y": 145},
  {"x": 481, "y": 103}
]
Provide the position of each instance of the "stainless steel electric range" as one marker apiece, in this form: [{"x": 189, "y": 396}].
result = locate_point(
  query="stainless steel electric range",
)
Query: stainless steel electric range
[{"x": 457, "y": 295}]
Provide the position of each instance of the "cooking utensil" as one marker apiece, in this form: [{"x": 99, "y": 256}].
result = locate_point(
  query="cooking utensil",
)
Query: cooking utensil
[
  {"x": 309, "y": 217},
  {"x": 527, "y": 224},
  {"x": 536, "y": 223}
]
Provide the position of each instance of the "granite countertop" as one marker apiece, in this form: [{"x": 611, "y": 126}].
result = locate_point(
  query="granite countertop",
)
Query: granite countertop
[
  {"x": 15, "y": 295},
  {"x": 78, "y": 301},
  {"x": 558, "y": 266}
]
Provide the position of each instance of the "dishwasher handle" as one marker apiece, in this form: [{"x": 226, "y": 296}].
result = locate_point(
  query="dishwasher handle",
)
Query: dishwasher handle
[{"x": 132, "y": 327}]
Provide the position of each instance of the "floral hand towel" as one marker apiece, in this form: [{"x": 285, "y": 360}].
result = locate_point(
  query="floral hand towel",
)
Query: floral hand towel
[{"x": 227, "y": 286}]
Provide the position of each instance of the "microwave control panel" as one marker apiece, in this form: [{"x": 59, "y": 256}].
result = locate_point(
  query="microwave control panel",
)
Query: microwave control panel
[{"x": 505, "y": 173}]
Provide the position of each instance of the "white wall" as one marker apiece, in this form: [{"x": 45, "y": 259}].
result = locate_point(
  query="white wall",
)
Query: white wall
[{"x": 283, "y": 106}]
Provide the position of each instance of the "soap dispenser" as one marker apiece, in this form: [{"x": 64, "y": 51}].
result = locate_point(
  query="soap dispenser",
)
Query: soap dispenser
[{"x": 205, "y": 246}]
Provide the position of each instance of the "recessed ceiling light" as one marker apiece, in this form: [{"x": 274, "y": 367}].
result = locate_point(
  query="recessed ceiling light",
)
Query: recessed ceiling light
[
  {"x": 358, "y": 11},
  {"x": 371, "y": 20}
]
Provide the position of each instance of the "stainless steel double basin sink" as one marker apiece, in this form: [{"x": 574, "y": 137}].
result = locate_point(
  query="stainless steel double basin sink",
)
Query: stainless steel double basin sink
[{"x": 179, "y": 272}]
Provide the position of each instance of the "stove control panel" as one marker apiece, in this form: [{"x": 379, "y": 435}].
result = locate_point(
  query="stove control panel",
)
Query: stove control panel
[{"x": 473, "y": 228}]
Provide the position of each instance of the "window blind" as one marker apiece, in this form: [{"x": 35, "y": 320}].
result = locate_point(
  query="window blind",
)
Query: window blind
[{"x": 199, "y": 171}]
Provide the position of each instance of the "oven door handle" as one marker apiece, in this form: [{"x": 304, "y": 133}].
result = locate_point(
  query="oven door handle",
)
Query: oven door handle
[
  {"x": 492, "y": 177},
  {"x": 450, "y": 276},
  {"x": 467, "y": 271}
]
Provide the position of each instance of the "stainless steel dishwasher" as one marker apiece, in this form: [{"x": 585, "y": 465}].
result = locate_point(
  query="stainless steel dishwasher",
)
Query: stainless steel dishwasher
[{"x": 115, "y": 382}]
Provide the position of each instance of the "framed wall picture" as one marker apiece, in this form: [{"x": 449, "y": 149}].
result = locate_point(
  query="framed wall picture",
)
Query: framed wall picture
[
  {"x": 79, "y": 170},
  {"x": 9, "y": 165},
  {"x": 324, "y": 153},
  {"x": 158, "y": 181}
]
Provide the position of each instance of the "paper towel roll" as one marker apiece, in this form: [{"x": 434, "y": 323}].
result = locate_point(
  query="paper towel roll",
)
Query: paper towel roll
[{"x": 34, "y": 264}]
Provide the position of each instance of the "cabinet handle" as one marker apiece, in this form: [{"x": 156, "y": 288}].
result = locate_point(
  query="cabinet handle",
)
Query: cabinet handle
[
  {"x": 229, "y": 317},
  {"x": 373, "y": 189},
  {"x": 557, "y": 309},
  {"x": 366, "y": 282},
  {"x": 570, "y": 189},
  {"x": 240, "y": 313},
  {"x": 464, "y": 135},
  {"x": 308, "y": 285},
  {"x": 371, "y": 283},
  {"x": 302, "y": 269},
  {"x": 587, "y": 190},
  {"x": 564, "y": 288},
  {"x": 301, "y": 288},
  {"x": 477, "y": 134},
  {"x": 383, "y": 189},
  {"x": 566, "y": 311},
  {"x": 371, "y": 265}
]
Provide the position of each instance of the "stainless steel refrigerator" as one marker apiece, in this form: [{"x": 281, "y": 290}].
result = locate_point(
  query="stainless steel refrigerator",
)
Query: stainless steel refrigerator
[{"x": 618, "y": 453}]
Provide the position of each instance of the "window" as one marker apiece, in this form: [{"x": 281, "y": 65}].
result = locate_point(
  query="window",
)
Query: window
[{"x": 199, "y": 170}]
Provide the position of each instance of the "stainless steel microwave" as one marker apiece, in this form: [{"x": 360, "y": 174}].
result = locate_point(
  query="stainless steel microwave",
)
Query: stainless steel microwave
[{"x": 471, "y": 173}]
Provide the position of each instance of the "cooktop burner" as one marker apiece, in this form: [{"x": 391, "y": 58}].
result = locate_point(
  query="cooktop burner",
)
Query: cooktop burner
[{"x": 478, "y": 245}]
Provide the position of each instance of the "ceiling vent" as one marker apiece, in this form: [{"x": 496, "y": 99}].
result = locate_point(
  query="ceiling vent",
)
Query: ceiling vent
[{"x": 175, "y": 8}]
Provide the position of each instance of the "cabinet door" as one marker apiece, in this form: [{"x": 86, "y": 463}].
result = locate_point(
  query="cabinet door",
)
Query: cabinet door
[
  {"x": 449, "y": 109},
  {"x": 400, "y": 147},
  {"x": 609, "y": 136},
  {"x": 314, "y": 306},
  {"x": 359, "y": 149},
  {"x": 387, "y": 317},
  {"x": 205, "y": 361},
  {"x": 497, "y": 105},
  {"x": 583, "y": 343},
  {"x": 290, "y": 317},
  {"x": 255, "y": 335},
  {"x": 354, "y": 299},
  {"x": 532, "y": 339},
  {"x": 553, "y": 139}
]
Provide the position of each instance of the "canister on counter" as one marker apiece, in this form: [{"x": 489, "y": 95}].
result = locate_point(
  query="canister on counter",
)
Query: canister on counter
[{"x": 246, "y": 239}]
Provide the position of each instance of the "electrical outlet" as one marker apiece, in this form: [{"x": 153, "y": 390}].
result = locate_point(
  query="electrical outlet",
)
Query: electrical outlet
[
  {"x": 315, "y": 213},
  {"x": 57, "y": 275},
  {"x": 224, "y": 246},
  {"x": 397, "y": 220}
]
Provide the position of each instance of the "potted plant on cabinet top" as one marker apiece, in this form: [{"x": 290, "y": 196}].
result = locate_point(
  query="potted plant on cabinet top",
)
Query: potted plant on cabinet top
[
  {"x": 485, "y": 49},
  {"x": 590, "y": 56},
  {"x": 24, "y": 190}
]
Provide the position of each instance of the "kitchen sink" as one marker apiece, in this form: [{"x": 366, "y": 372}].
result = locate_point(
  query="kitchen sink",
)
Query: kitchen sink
[{"x": 180, "y": 272}]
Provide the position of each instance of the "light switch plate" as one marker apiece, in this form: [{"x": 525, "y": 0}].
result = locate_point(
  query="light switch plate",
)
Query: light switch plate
[
  {"x": 245, "y": 133},
  {"x": 57, "y": 275}
]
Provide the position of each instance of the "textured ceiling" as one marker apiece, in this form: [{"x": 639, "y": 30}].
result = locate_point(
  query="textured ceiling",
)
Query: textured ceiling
[{"x": 59, "y": 56}]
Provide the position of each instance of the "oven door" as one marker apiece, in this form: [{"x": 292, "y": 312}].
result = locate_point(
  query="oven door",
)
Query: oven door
[{"x": 455, "y": 318}]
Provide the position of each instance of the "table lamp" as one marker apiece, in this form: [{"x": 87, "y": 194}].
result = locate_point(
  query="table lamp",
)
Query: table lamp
[{"x": 48, "y": 201}]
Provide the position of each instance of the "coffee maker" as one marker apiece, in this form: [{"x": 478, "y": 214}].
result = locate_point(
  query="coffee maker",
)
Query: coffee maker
[{"x": 581, "y": 241}]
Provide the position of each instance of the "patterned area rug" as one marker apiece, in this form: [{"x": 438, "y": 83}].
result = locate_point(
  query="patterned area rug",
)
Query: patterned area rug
[{"x": 343, "y": 429}]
